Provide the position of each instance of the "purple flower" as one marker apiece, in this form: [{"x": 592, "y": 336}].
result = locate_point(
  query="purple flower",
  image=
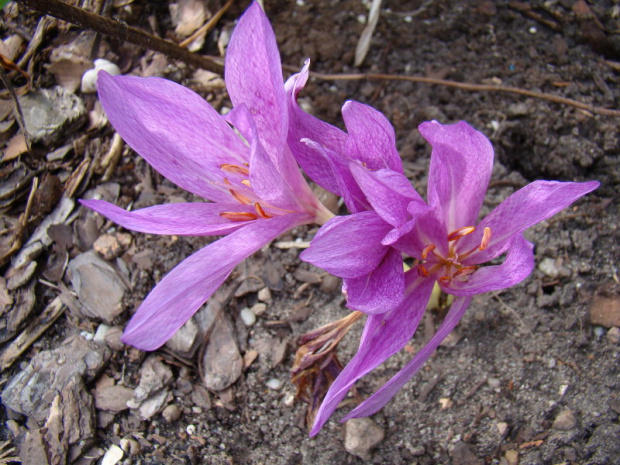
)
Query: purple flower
[
  {"x": 364, "y": 167},
  {"x": 256, "y": 187},
  {"x": 445, "y": 237}
]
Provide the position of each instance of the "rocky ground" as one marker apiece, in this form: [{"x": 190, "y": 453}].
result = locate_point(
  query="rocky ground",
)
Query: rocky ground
[{"x": 531, "y": 374}]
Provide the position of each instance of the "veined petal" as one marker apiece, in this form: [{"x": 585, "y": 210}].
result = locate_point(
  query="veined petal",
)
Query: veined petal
[
  {"x": 253, "y": 75},
  {"x": 461, "y": 165},
  {"x": 349, "y": 246},
  {"x": 379, "y": 291},
  {"x": 181, "y": 219},
  {"x": 383, "y": 336},
  {"x": 518, "y": 265},
  {"x": 528, "y": 206},
  {"x": 174, "y": 129},
  {"x": 380, "y": 398},
  {"x": 353, "y": 197},
  {"x": 304, "y": 126},
  {"x": 182, "y": 291},
  {"x": 428, "y": 228},
  {"x": 389, "y": 192},
  {"x": 371, "y": 137}
]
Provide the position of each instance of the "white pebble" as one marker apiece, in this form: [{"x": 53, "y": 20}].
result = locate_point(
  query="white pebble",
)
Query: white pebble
[
  {"x": 533, "y": 30},
  {"x": 89, "y": 78},
  {"x": 190, "y": 429},
  {"x": 274, "y": 384},
  {"x": 248, "y": 317},
  {"x": 113, "y": 455},
  {"x": 259, "y": 308}
]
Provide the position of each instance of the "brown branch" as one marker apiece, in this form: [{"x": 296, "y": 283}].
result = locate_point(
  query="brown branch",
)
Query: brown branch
[
  {"x": 136, "y": 36},
  {"x": 465, "y": 86},
  {"x": 87, "y": 20}
]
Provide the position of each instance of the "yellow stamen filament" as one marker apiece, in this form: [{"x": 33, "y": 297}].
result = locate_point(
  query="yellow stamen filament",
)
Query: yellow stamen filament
[
  {"x": 239, "y": 216},
  {"x": 455, "y": 235},
  {"x": 240, "y": 197},
  {"x": 261, "y": 212},
  {"x": 235, "y": 169},
  {"x": 486, "y": 238}
]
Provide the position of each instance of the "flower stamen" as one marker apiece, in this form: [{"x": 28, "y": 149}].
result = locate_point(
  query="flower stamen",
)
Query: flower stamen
[
  {"x": 261, "y": 212},
  {"x": 486, "y": 238},
  {"x": 456, "y": 235},
  {"x": 239, "y": 216},
  {"x": 240, "y": 197},
  {"x": 235, "y": 169}
]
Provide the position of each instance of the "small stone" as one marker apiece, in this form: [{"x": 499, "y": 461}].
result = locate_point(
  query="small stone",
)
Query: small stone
[
  {"x": 186, "y": 340},
  {"x": 502, "y": 428},
  {"x": 306, "y": 276},
  {"x": 130, "y": 446},
  {"x": 493, "y": 382},
  {"x": 259, "y": 308},
  {"x": 113, "y": 398},
  {"x": 548, "y": 266},
  {"x": 512, "y": 457},
  {"x": 274, "y": 384},
  {"x": 605, "y": 311},
  {"x": 330, "y": 284},
  {"x": 112, "y": 456},
  {"x": 247, "y": 316},
  {"x": 361, "y": 435},
  {"x": 264, "y": 295},
  {"x": 222, "y": 362},
  {"x": 108, "y": 246},
  {"x": 613, "y": 335},
  {"x": 171, "y": 413},
  {"x": 565, "y": 421}
]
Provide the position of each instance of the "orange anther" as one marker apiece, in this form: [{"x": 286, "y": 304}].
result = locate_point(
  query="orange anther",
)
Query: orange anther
[
  {"x": 486, "y": 238},
  {"x": 240, "y": 197},
  {"x": 465, "y": 271},
  {"x": 445, "y": 279},
  {"x": 455, "y": 235},
  {"x": 261, "y": 212},
  {"x": 239, "y": 216},
  {"x": 422, "y": 271},
  {"x": 246, "y": 182},
  {"x": 428, "y": 249},
  {"x": 234, "y": 169}
]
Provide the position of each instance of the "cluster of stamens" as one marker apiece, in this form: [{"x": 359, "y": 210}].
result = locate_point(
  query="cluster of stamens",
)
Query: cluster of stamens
[
  {"x": 452, "y": 263},
  {"x": 241, "y": 198}
]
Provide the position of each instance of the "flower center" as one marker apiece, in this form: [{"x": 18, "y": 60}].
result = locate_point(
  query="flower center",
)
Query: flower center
[
  {"x": 242, "y": 198},
  {"x": 451, "y": 266}
]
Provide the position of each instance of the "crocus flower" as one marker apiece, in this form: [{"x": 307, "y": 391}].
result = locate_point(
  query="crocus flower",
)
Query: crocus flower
[
  {"x": 249, "y": 173},
  {"x": 373, "y": 277},
  {"x": 450, "y": 245}
]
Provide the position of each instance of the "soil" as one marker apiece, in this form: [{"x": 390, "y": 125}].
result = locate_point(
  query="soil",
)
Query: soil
[{"x": 498, "y": 392}]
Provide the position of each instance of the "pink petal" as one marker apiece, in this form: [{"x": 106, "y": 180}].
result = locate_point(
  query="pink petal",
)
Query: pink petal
[
  {"x": 348, "y": 189},
  {"x": 181, "y": 219},
  {"x": 349, "y": 246},
  {"x": 371, "y": 137},
  {"x": 304, "y": 126},
  {"x": 380, "y": 398},
  {"x": 389, "y": 192},
  {"x": 461, "y": 165},
  {"x": 182, "y": 291},
  {"x": 518, "y": 265},
  {"x": 253, "y": 76},
  {"x": 528, "y": 206},
  {"x": 380, "y": 290},
  {"x": 383, "y": 336},
  {"x": 173, "y": 129}
]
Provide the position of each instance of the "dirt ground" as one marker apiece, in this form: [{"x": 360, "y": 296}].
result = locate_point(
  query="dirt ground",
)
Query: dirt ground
[{"x": 531, "y": 376}]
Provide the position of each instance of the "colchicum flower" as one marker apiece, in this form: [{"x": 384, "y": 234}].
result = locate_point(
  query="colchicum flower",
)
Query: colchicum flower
[
  {"x": 444, "y": 236},
  {"x": 241, "y": 162},
  {"x": 373, "y": 276}
]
